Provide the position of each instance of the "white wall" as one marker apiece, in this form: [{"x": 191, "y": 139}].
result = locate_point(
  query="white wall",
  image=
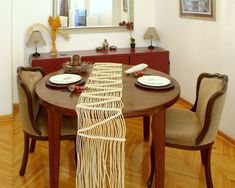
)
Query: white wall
[
  {"x": 25, "y": 13},
  {"x": 6, "y": 58},
  {"x": 200, "y": 46},
  {"x": 227, "y": 62}
]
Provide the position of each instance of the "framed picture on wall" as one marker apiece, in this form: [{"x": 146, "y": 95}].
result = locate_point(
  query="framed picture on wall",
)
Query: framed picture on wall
[
  {"x": 125, "y": 5},
  {"x": 197, "y": 9}
]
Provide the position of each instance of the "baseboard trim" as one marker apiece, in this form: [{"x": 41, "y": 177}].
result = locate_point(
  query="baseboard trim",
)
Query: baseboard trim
[
  {"x": 5, "y": 118},
  {"x": 226, "y": 138},
  {"x": 10, "y": 117},
  {"x": 187, "y": 103}
]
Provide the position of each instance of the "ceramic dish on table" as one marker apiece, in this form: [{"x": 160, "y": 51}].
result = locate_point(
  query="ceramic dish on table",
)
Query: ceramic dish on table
[
  {"x": 65, "y": 78},
  {"x": 154, "y": 82},
  {"x": 151, "y": 80},
  {"x": 57, "y": 81}
]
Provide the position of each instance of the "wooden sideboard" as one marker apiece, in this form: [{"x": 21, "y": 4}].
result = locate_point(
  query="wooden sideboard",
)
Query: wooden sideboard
[{"x": 156, "y": 58}]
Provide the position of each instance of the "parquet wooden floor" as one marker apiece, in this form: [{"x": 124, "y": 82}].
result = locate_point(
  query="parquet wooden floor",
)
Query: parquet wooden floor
[{"x": 183, "y": 168}]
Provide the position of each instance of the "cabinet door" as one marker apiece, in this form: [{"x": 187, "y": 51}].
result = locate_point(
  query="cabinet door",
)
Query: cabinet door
[
  {"x": 158, "y": 60},
  {"x": 124, "y": 59},
  {"x": 50, "y": 65}
]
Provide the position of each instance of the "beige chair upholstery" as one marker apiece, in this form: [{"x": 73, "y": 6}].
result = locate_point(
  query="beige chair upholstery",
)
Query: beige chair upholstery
[
  {"x": 34, "y": 116},
  {"x": 196, "y": 129}
]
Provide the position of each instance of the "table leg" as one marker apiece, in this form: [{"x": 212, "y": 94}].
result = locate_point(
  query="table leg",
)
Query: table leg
[
  {"x": 158, "y": 131},
  {"x": 54, "y": 118},
  {"x": 146, "y": 124}
]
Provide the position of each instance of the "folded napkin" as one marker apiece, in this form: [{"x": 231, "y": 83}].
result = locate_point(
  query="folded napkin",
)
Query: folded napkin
[{"x": 139, "y": 67}]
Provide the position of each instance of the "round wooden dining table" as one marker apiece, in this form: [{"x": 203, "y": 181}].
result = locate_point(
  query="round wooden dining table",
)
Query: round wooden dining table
[{"x": 138, "y": 101}]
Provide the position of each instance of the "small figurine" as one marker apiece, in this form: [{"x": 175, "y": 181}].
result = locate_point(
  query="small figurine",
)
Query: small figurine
[{"x": 105, "y": 44}]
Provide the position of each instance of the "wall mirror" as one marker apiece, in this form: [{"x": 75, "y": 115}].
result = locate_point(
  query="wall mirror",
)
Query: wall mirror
[{"x": 90, "y": 14}]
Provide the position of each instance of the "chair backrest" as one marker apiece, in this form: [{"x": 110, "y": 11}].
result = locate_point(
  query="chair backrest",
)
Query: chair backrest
[
  {"x": 210, "y": 97},
  {"x": 27, "y": 78}
]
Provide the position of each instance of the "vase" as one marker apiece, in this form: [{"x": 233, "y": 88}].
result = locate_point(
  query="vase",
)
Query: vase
[{"x": 132, "y": 45}]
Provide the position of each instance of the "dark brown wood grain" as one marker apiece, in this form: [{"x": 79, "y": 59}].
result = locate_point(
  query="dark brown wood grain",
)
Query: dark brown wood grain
[{"x": 137, "y": 102}]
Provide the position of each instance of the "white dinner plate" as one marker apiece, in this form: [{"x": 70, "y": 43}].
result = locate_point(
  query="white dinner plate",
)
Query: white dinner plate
[
  {"x": 155, "y": 81},
  {"x": 65, "y": 78}
]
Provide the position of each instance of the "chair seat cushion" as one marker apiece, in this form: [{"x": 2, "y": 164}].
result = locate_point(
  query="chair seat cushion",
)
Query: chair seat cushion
[
  {"x": 68, "y": 124},
  {"x": 182, "y": 126}
]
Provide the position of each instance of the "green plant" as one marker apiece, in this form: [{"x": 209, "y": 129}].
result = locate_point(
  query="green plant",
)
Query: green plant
[{"x": 132, "y": 40}]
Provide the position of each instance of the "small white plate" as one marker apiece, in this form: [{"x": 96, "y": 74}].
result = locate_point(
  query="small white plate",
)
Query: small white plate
[
  {"x": 154, "y": 81},
  {"x": 65, "y": 78}
]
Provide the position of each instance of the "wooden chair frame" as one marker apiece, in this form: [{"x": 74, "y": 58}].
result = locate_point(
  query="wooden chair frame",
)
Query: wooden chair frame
[
  {"x": 206, "y": 149},
  {"x": 28, "y": 136}
]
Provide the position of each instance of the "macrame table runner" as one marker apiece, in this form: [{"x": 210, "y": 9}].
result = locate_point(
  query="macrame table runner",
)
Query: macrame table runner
[{"x": 101, "y": 129}]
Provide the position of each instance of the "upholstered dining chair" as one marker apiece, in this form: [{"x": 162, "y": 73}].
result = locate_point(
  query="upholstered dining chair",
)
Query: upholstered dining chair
[
  {"x": 196, "y": 129},
  {"x": 34, "y": 116}
]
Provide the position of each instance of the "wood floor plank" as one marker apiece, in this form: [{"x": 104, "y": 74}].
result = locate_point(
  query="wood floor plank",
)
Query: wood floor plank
[{"x": 183, "y": 168}]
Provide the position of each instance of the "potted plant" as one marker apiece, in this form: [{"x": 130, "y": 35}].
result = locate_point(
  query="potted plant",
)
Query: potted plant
[
  {"x": 132, "y": 44},
  {"x": 130, "y": 27}
]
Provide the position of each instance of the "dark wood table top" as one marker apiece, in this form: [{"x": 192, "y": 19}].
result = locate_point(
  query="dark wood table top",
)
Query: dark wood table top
[{"x": 137, "y": 101}]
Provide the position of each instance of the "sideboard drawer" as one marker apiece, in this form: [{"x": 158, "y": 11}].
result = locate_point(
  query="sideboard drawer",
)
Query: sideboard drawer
[
  {"x": 155, "y": 60},
  {"x": 50, "y": 65}
]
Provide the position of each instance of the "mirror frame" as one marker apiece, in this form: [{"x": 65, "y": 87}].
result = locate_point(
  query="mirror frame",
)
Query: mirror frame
[{"x": 87, "y": 29}]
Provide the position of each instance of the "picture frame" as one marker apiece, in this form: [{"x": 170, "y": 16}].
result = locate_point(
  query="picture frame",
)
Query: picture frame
[
  {"x": 198, "y": 9},
  {"x": 125, "y": 5}
]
